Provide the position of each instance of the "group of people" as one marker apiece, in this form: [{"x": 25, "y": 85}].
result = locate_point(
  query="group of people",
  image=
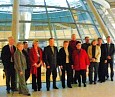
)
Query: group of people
[{"x": 74, "y": 58}]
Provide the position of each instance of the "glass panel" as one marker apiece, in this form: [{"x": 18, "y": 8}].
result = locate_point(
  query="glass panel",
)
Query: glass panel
[
  {"x": 56, "y": 3},
  {"x": 40, "y": 31},
  {"x": 74, "y": 3}
]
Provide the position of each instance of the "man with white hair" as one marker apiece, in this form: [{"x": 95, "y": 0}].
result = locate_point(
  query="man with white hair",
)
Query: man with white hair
[{"x": 7, "y": 56}]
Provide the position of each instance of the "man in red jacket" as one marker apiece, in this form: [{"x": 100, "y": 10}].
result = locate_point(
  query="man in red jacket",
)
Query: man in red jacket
[{"x": 80, "y": 62}]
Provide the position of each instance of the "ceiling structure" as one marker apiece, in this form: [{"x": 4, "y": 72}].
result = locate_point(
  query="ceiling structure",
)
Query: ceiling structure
[{"x": 112, "y": 3}]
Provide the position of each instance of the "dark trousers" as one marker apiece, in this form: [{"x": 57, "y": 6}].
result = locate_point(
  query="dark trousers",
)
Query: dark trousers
[
  {"x": 111, "y": 68},
  {"x": 48, "y": 73},
  {"x": 36, "y": 81},
  {"x": 66, "y": 67},
  {"x": 73, "y": 79},
  {"x": 93, "y": 67},
  {"x": 27, "y": 74},
  {"x": 10, "y": 78},
  {"x": 101, "y": 71},
  {"x": 79, "y": 74}
]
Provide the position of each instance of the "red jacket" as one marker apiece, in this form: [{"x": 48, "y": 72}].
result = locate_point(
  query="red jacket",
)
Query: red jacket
[
  {"x": 81, "y": 60},
  {"x": 34, "y": 59}
]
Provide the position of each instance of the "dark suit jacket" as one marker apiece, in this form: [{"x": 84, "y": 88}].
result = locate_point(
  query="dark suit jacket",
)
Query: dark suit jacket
[
  {"x": 62, "y": 56},
  {"x": 6, "y": 56},
  {"x": 50, "y": 58},
  {"x": 26, "y": 53},
  {"x": 111, "y": 51}
]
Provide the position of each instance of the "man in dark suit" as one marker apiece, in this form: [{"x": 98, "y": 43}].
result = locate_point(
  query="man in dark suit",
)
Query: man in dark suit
[
  {"x": 65, "y": 62},
  {"x": 7, "y": 56},
  {"x": 26, "y": 53},
  {"x": 102, "y": 65},
  {"x": 109, "y": 53},
  {"x": 50, "y": 59},
  {"x": 86, "y": 44}
]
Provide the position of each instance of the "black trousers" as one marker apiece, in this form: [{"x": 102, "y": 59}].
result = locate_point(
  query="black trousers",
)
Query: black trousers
[
  {"x": 27, "y": 74},
  {"x": 101, "y": 71},
  {"x": 36, "y": 81},
  {"x": 93, "y": 67},
  {"x": 79, "y": 74},
  {"x": 111, "y": 68},
  {"x": 10, "y": 78},
  {"x": 48, "y": 73},
  {"x": 73, "y": 79},
  {"x": 66, "y": 67}
]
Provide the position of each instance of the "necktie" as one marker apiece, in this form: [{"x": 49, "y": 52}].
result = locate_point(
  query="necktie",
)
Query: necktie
[
  {"x": 12, "y": 53},
  {"x": 108, "y": 48},
  {"x": 12, "y": 50}
]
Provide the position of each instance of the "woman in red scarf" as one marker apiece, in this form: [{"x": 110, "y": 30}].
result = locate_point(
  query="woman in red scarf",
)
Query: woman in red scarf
[{"x": 35, "y": 55}]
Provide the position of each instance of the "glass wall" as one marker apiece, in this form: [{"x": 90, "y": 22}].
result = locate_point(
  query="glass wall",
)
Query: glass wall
[
  {"x": 51, "y": 19},
  {"x": 107, "y": 19},
  {"x": 42, "y": 19}
]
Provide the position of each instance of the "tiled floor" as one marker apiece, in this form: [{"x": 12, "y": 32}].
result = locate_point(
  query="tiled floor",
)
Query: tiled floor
[{"x": 106, "y": 89}]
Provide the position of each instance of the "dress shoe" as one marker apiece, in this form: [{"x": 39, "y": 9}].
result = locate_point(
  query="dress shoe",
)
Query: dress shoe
[
  {"x": 79, "y": 85},
  {"x": 35, "y": 89},
  {"x": 8, "y": 91},
  {"x": 55, "y": 87},
  {"x": 28, "y": 94},
  {"x": 38, "y": 89},
  {"x": 69, "y": 86},
  {"x": 111, "y": 79},
  {"x": 63, "y": 86},
  {"x": 95, "y": 82},
  {"x": 84, "y": 84},
  {"x": 48, "y": 89}
]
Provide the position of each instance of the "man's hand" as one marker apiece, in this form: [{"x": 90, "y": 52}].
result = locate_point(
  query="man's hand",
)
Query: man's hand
[
  {"x": 109, "y": 57},
  {"x": 93, "y": 59},
  {"x": 105, "y": 61},
  {"x": 21, "y": 73},
  {"x": 72, "y": 66},
  {"x": 61, "y": 67},
  {"x": 48, "y": 66},
  {"x": 38, "y": 65}
]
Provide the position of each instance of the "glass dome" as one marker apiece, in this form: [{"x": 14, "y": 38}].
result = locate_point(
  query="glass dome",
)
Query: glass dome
[{"x": 43, "y": 19}]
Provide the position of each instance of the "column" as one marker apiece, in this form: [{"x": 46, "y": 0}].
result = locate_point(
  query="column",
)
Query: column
[
  {"x": 98, "y": 18},
  {"x": 15, "y": 20}
]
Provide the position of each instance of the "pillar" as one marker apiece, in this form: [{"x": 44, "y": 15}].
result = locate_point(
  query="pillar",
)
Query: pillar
[{"x": 15, "y": 20}]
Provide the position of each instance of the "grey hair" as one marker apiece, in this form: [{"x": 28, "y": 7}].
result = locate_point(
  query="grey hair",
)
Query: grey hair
[{"x": 19, "y": 43}]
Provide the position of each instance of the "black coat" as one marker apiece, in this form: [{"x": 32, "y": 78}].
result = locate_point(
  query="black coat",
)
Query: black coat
[
  {"x": 50, "y": 58},
  {"x": 111, "y": 51},
  {"x": 62, "y": 56},
  {"x": 6, "y": 56},
  {"x": 103, "y": 54},
  {"x": 26, "y": 53}
]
